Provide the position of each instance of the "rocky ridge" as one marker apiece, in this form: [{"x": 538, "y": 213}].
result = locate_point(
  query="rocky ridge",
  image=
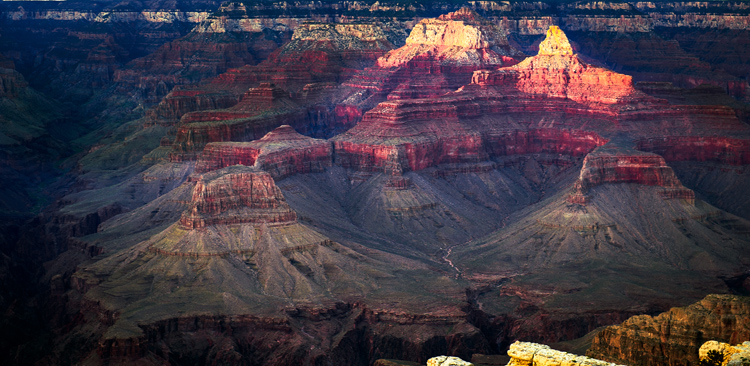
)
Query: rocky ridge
[
  {"x": 235, "y": 196},
  {"x": 281, "y": 152}
]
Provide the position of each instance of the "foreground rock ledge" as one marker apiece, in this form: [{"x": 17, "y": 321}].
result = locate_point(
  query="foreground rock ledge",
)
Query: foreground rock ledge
[
  {"x": 534, "y": 354},
  {"x": 529, "y": 354}
]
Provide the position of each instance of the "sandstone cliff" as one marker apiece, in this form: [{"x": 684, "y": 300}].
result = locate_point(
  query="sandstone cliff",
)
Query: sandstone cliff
[{"x": 674, "y": 337}]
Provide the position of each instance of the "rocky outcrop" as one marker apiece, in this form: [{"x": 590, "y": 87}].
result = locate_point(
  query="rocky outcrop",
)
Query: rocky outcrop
[
  {"x": 181, "y": 101},
  {"x": 236, "y": 195},
  {"x": 533, "y": 354},
  {"x": 11, "y": 82},
  {"x": 439, "y": 57},
  {"x": 675, "y": 337},
  {"x": 461, "y": 38},
  {"x": 615, "y": 164},
  {"x": 282, "y": 152},
  {"x": 737, "y": 355},
  {"x": 556, "y": 72},
  {"x": 447, "y": 361}
]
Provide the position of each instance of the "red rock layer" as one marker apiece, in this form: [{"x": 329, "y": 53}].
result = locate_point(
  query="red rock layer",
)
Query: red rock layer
[
  {"x": 282, "y": 152},
  {"x": 614, "y": 164},
  {"x": 255, "y": 100},
  {"x": 674, "y": 337},
  {"x": 510, "y": 110},
  {"x": 235, "y": 195},
  {"x": 722, "y": 150},
  {"x": 317, "y": 53},
  {"x": 431, "y": 143}
]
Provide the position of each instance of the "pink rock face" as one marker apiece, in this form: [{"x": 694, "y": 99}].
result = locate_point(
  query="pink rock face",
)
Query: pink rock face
[
  {"x": 235, "y": 195},
  {"x": 722, "y": 150},
  {"x": 614, "y": 164},
  {"x": 282, "y": 152},
  {"x": 556, "y": 72},
  {"x": 440, "y": 56}
]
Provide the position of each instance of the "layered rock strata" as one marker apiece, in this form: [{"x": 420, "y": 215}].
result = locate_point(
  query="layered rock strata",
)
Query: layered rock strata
[
  {"x": 533, "y": 354},
  {"x": 614, "y": 164},
  {"x": 675, "y": 337},
  {"x": 282, "y": 152},
  {"x": 317, "y": 53},
  {"x": 236, "y": 195},
  {"x": 579, "y": 102},
  {"x": 261, "y": 110},
  {"x": 556, "y": 72}
]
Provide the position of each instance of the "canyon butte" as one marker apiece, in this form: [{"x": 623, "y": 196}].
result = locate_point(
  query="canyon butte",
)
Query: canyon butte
[{"x": 336, "y": 183}]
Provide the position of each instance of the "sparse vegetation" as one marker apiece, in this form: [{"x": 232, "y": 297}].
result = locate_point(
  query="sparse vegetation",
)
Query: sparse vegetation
[{"x": 713, "y": 358}]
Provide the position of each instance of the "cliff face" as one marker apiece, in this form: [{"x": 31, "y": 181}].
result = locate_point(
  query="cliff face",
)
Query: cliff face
[
  {"x": 674, "y": 337},
  {"x": 261, "y": 110}
]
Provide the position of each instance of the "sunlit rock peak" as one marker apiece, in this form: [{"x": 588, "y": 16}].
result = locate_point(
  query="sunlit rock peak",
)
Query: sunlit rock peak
[
  {"x": 556, "y": 43},
  {"x": 461, "y": 38},
  {"x": 463, "y": 28}
]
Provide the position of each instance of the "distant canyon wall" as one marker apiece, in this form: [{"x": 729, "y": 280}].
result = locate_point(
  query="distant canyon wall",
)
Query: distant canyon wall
[{"x": 529, "y": 18}]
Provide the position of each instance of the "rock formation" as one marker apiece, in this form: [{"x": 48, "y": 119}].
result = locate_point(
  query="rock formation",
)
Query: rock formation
[
  {"x": 439, "y": 56},
  {"x": 676, "y": 336},
  {"x": 317, "y": 53},
  {"x": 556, "y": 72},
  {"x": 532, "y": 354},
  {"x": 614, "y": 164},
  {"x": 282, "y": 152},
  {"x": 447, "y": 361},
  {"x": 235, "y": 196},
  {"x": 261, "y": 110}
]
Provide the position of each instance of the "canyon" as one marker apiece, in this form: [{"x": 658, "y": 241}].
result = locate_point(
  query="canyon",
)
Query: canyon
[{"x": 345, "y": 183}]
